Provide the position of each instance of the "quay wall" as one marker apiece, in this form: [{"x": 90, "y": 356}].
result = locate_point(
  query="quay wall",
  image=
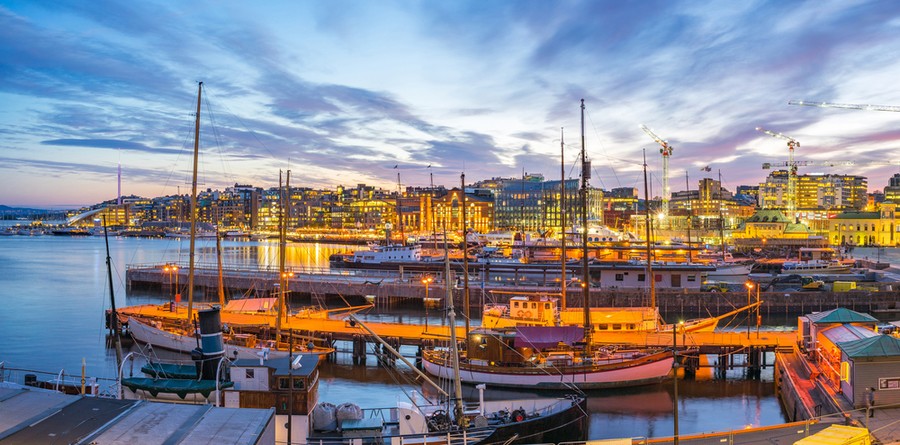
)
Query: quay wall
[{"x": 392, "y": 290}]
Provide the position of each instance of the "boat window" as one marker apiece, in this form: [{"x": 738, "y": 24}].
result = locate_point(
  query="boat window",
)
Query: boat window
[
  {"x": 642, "y": 277},
  {"x": 283, "y": 383},
  {"x": 691, "y": 278},
  {"x": 632, "y": 326},
  {"x": 603, "y": 327},
  {"x": 534, "y": 305},
  {"x": 620, "y": 277},
  {"x": 250, "y": 374},
  {"x": 299, "y": 383},
  {"x": 617, "y": 327},
  {"x": 547, "y": 306}
]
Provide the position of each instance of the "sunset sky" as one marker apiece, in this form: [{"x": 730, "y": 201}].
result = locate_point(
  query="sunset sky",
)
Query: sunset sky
[{"x": 341, "y": 92}]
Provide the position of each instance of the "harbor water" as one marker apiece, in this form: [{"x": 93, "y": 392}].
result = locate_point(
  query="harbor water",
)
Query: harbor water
[{"x": 55, "y": 290}]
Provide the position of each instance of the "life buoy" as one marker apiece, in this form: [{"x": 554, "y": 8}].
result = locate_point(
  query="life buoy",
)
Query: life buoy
[
  {"x": 520, "y": 313},
  {"x": 520, "y": 418},
  {"x": 528, "y": 314}
]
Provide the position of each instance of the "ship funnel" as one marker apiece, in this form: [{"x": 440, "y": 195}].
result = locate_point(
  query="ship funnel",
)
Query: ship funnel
[{"x": 212, "y": 345}]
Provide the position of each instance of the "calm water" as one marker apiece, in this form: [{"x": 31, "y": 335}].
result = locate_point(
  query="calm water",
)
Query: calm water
[{"x": 55, "y": 290}]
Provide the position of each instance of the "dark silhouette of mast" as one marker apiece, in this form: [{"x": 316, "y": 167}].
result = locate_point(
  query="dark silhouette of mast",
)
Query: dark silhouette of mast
[{"x": 586, "y": 276}]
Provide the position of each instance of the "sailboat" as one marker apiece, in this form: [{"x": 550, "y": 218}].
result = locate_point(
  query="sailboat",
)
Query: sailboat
[
  {"x": 169, "y": 331},
  {"x": 534, "y": 420},
  {"x": 546, "y": 310},
  {"x": 548, "y": 356}
]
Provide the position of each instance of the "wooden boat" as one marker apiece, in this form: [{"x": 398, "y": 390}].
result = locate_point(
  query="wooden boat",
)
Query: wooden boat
[
  {"x": 544, "y": 310},
  {"x": 547, "y": 358}
]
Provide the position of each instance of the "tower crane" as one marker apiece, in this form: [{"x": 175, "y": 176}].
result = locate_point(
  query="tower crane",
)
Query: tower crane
[
  {"x": 666, "y": 151},
  {"x": 792, "y": 169},
  {"x": 847, "y": 106}
]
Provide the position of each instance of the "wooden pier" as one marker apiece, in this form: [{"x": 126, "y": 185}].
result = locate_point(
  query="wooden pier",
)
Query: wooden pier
[{"x": 399, "y": 287}]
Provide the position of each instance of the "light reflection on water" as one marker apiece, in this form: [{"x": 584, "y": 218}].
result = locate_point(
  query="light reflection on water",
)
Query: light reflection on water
[{"x": 54, "y": 291}]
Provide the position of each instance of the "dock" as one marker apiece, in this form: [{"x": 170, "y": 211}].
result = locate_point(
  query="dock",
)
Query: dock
[{"x": 384, "y": 287}]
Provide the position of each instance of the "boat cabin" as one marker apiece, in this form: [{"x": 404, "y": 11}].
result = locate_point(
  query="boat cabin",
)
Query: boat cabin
[{"x": 268, "y": 383}]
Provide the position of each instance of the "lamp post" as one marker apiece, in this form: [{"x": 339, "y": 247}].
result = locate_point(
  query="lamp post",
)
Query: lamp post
[
  {"x": 172, "y": 269},
  {"x": 758, "y": 316},
  {"x": 426, "y": 281},
  {"x": 749, "y": 285}
]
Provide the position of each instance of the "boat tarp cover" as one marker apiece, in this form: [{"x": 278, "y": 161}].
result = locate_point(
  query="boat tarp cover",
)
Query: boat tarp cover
[
  {"x": 253, "y": 305},
  {"x": 179, "y": 387},
  {"x": 542, "y": 337},
  {"x": 170, "y": 370}
]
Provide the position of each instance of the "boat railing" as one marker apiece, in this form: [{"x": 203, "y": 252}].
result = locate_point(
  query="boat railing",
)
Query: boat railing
[{"x": 59, "y": 381}]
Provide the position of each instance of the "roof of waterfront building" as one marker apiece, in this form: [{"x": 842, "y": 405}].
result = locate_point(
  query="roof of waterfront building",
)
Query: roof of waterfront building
[
  {"x": 841, "y": 315},
  {"x": 769, "y": 216},
  {"x": 33, "y": 415},
  {"x": 847, "y": 333},
  {"x": 858, "y": 215},
  {"x": 307, "y": 363},
  {"x": 877, "y": 346}
]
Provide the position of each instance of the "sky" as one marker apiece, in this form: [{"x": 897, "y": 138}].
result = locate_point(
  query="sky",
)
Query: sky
[{"x": 379, "y": 92}]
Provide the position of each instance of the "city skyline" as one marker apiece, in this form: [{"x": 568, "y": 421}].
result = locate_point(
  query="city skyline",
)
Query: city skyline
[{"x": 348, "y": 92}]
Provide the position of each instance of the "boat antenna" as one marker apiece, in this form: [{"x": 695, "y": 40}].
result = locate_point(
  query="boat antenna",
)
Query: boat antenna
[
  {"x": 114, "y": 317},
  {"x": 190, "y": 311},
  {"x": 462, "y": 178},
  {"x": 562, "y": 217},
  {"x": 586, "y": 278},
  {"x": 282, "y": 243},
  {"x": 649, "y": 249},
  {"x": 400, "y": 209}
]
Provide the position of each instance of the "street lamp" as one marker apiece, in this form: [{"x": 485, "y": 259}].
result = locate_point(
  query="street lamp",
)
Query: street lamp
[
  {"x": 750, "y": 286},
  {"x": 172, "y": 269},
  {"x": 426, "y": 280}
]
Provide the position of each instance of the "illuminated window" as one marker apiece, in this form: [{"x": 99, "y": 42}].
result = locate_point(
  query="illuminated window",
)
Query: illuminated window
[{"x": 845, "y": 371}]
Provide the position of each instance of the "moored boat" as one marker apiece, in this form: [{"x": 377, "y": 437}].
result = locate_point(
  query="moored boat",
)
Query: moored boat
[{"x": 548, "y": 358}]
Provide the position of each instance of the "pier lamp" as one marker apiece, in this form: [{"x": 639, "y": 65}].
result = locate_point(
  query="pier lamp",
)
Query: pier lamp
[
  {"x": 750, "y": 287},
  {"x": 426, "y": 280},
  {"x": 172, "y": 269}
]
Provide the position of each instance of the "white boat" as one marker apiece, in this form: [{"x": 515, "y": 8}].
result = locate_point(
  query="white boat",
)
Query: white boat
[
  {"x": 735, "y": 273},
  {"x": 236, "y": 345},
  {"x": 815, "y": 267},
  {"x": 381, "y": 253}
]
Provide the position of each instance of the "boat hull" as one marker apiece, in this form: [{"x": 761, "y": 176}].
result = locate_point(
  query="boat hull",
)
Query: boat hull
[
  {"x": 145, "y": 333},
  {"x": 635, "y": 372}
]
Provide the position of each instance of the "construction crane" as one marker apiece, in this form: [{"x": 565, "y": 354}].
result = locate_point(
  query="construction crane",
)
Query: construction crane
[
  {"x": 847, "y": 106},
  {"x": 666, "y": 151},
  {"x": 792, "y": 169}
]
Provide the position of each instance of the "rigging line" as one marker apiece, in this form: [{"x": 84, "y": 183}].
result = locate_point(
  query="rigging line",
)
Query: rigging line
[
  {"x": 251, "y": 132},
  {"x": 218, "y": 139},
  {"x": 602, "y": 148}
]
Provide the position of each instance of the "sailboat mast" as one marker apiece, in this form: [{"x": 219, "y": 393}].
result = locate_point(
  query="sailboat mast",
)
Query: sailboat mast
[
  {"x": 113, "y": 316},
  {"x": 221, "y": 279},
  {"x": 400, "y": 211},
  {"x": 690, "y": 215},
  {"x": 586, "y": 276},
  {"x": 454, "y": 350},
  {"x": 190, "y": 311},
  {"x": 282, "y": 243},
  {"x": 649, "y": 249},
  {"x": 721, "y": 218},
  {"x": 462, "y": 188},
  {"x": 562, "y": 217}
]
